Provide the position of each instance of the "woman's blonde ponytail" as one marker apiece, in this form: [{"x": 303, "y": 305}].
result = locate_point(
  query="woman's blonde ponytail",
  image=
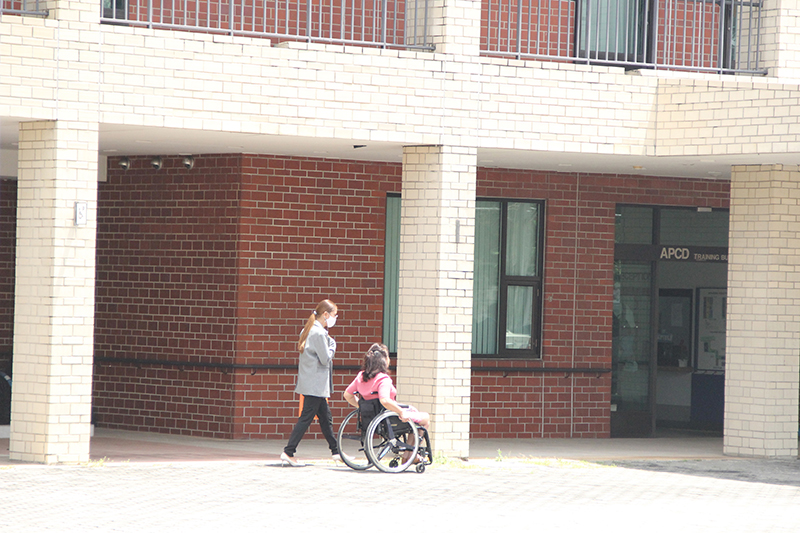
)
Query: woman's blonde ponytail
[{"x": 325, "y": 306}]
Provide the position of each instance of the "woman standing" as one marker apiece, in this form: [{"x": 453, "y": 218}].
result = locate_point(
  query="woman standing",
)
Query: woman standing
[{"x": 315, "y": 379}]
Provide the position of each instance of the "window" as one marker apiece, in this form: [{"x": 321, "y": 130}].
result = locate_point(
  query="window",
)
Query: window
[
  {"x": 507, "y": 278},
  {"x": 114, "y": 9},
  {"x": 612, "y": 29},
  {"x": 391, "y": 273},
  {"x": 520, "y": 280}
]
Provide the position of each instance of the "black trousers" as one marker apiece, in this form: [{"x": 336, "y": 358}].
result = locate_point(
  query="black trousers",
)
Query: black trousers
[{"x": 313, "y": 406}]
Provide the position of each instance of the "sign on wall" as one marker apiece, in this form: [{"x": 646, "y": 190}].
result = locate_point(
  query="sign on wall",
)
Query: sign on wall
[{"x": 711, "y": 319}]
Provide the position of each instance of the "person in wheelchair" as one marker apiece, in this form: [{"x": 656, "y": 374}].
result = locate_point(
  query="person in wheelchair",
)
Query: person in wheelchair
[{"x": 374, "y": 383}]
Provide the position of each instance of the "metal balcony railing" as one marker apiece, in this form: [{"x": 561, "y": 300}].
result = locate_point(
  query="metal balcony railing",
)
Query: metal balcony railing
[
  {"x": 384, "y": 23},
  {"x": 721, "y": 36},
  {"x": 699, "y": 35}
]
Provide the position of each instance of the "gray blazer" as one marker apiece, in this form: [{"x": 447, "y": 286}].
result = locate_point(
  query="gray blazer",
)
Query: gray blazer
[{"x": 315, "y": 367}]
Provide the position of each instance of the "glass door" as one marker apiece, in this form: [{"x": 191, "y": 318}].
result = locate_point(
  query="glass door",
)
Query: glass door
[{"x": 632, "y": 350}]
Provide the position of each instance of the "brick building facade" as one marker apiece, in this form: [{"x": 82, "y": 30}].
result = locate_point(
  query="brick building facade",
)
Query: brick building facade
[{"x": 176, "y": 197}]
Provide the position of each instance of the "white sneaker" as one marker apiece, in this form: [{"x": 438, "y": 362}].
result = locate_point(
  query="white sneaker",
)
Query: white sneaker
[
  {"x": 286, "y": 460},
  {"x": 336, "y": 458}
]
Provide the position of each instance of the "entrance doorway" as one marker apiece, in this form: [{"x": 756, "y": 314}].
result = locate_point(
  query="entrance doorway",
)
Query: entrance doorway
[{"x": 668, "y": 341}]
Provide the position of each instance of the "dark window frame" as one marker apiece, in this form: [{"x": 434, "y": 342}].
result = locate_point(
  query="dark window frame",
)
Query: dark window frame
[{"x": 506, "y": 281}]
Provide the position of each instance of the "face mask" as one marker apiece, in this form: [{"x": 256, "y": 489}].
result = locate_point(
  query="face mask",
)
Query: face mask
[{"x": 331, "y": 320}]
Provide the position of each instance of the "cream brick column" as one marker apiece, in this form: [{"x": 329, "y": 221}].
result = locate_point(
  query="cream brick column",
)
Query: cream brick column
[
  {"x": 435, "y": 309},
  {"x": 780, "y": 38},
  {"x": 762, "y": 367},
  {"x": 455, "y": 26},
  {"x": 54, "y": 293}
]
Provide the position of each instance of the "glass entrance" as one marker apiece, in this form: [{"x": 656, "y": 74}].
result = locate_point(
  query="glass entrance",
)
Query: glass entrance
[{"x": 632, "y": 350}]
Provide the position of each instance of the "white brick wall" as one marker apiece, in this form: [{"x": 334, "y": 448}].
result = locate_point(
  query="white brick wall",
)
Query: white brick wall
[
  {"x": 435, "y": 307},
  {"x": 54, "y": 293},
  {"x": 762, "y": 377}
]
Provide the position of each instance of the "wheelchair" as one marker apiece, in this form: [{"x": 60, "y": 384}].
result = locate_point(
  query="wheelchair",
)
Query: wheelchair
[{"x": 372, "y": 436}]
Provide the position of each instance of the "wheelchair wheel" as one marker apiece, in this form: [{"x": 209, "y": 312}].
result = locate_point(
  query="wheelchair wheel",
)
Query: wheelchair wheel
[
  {"x": 350, "y": 440},
  {"x": 393, "y": 446}
]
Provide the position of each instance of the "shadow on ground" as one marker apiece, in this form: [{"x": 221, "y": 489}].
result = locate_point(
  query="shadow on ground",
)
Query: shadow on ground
[{"x": 771, "y": 471}]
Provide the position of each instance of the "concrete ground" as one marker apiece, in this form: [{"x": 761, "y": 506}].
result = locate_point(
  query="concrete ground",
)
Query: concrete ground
[{"x": 141, "y": 482}]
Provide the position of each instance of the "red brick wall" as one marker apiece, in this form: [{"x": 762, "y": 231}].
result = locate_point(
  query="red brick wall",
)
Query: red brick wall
[
  {"x": 8, "y": 241},
  {"x": 578, "y": 291},
  {"x": 311, "y": 229},
  {"x": 205, "y": 278},
  {"x": 166, "y": 292},
  {"x": 222, "y": 265}
]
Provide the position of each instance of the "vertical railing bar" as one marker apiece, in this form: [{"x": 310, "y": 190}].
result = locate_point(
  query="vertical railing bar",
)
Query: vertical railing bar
[
  {"x": 758, "y": 36},
  {"x": 715, "y": 39},
  {"x": 752, "y": 52},
  {"x": 637, "y": 34},
  {"x": 749, "y": 33},
  {"x": 699, "y": 35},
  {"x": 652, "y": 40},
  {"x": 352, "y": 21},
  {"x": 672, "y": 35},
  {"x": 624, "y": 42},
  {"x": 518, "y": 43},
  {"x": 598, "y": 31},
  {"x": 395, "y": 23},
  {"x": 383, "y": 23},
  {"x": 415, "y": 33},
  {"x": 736, "y": 47},
  {"x": 588, "y": 29},
  {"x": 684, "y": 37},
  {"x": 558, "y": 34},
  {"x": 425, "y": 21},
  {"x": 524, "y": 34},
  {"x": 667, "y": 31},
  {"x": 490, "y": 28},
  {"x": 721, "y": 38}
]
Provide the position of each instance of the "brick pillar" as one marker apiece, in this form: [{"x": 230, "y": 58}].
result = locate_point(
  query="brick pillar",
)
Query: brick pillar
[
  {"x": 780, "y": 38},
  {"x": 54, "y": 294},
  {"x": 762, "y": 367},
  {"x": 435, "y": 309},
  {"x": 455, "y": 26}
]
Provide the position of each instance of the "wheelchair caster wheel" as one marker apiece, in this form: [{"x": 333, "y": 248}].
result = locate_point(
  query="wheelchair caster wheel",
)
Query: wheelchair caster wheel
[
  {"x": 420, "y": 468},
  {"x": 394, "y": 463}
]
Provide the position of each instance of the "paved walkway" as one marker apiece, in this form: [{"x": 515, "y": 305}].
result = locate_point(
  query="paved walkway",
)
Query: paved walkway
[{"x": 196, "y": 485}]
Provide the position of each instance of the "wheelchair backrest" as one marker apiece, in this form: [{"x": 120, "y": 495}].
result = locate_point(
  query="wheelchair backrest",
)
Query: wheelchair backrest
[{"x": 367, "y": 410}]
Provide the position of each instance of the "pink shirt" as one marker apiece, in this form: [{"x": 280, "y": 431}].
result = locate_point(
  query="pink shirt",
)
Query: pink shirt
[{"x": 380, "y": 386}]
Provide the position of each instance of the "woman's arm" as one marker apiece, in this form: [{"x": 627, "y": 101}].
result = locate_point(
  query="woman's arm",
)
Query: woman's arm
[
  {"x": 392, "y": 405},
  {"x": 351, "y": 399}
]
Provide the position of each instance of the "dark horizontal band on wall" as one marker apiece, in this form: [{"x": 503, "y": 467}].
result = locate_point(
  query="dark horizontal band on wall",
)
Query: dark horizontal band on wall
[
  {"x": 233, "y": 366},
  {"x": 196, "y": 364},
  {"x": 535, "y": 370}
]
